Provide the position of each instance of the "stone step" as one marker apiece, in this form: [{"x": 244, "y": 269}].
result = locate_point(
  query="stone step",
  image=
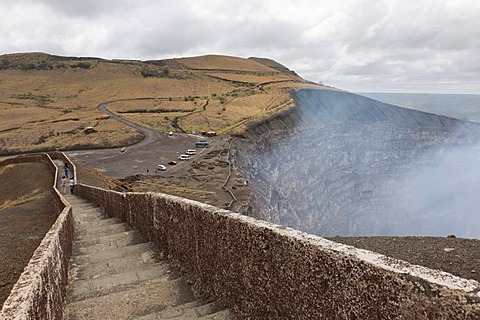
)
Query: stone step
[
  {"x": 106, "y": 243},
  {"x": 220, "y": 315},
  {"x": 90, "y": 219},
  {"x": 197, "y": 309},
  {"x": 76, "y": 200},
  {"x": 109, "y": 228},
  {"x": 105, "y": 221},
  {"x": 84, "y": 206},
  {"x": 132, "y": 301},
  {"x": 115, "y": 275},
  {"x": 133, "y": 250},
  {"x": 172, "y": 312},
  {"x": 85, "y": 289},
  {"x": 89, "y": 215},
  {"x": 113, "y": 266}
]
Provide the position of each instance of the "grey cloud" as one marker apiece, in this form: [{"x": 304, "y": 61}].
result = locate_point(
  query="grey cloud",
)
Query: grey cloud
[
  {"x": 351, "y": 44},
  {"x": 89, "y": 9}
]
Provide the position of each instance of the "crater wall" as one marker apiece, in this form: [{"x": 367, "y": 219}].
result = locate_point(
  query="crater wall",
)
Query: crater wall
[{"x": 343, "y": 164}]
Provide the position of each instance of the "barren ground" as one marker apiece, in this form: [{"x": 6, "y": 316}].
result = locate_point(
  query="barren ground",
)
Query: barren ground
[
  {"x": 25, "y": 217},
  {"x": 457, "y": 256}
]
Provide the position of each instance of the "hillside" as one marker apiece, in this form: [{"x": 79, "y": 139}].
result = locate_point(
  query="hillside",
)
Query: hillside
[{"x": 47, "y": 101}]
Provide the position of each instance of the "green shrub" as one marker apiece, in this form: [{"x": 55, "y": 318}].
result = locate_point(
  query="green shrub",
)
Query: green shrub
[
  {"x": 149, "y": 73},
  {"x": 27, "y": 66},
  {"x": 83, "y": 65},
  {"x": 44, "y": 66}
]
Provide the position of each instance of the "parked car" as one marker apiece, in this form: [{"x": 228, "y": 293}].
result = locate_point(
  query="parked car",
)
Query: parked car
[
  {"x": 184, "y": 157},
  {"x": 161, "y": 167},
  {"x": 191, "y": 151},
  {"x": 173, "y": 163},
  {"x": 202, "y": 144}
]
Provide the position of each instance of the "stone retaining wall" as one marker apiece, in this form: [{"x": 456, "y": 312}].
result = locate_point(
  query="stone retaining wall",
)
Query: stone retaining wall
[
  {"x": 266, "y": 271},
  {"x": 39, "y": 292}
]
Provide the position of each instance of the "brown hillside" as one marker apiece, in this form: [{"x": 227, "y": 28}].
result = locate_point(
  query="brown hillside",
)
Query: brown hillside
[
  {"x": 270, "y": 63},
  {"x": 47, "y": 101},
  {"x": 218, "y": 62}
]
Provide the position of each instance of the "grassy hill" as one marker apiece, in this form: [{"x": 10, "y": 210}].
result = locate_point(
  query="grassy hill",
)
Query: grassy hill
[{"x": 47, "y": 101}]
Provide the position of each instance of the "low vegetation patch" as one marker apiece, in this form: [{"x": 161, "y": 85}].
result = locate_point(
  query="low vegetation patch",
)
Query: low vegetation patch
[
  {"x": 16, "y": 202},
  {"x": 82, "y": 65}
]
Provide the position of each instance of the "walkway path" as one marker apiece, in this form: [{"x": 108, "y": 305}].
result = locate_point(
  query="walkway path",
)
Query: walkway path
[{"x": 115, "y": 275}]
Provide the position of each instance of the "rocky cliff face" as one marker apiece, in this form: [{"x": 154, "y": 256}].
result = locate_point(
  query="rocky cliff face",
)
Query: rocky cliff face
[{"x": 343, "y": 164}]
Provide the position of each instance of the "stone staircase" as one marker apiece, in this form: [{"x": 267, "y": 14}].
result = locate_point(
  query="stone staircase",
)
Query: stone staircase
[{"x": 113, "y": 274}]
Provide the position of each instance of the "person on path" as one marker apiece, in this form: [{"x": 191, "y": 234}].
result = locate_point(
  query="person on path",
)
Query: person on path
[
  {"x": 66, "y": 169},
  {"x": 72, "y": 185},
  {"x": 64, "y": 184}
]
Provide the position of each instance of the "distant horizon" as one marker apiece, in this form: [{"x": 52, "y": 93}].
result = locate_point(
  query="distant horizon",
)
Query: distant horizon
[
  {"x": 465, "y": 106},
  {"x": 433, "y": 93}
]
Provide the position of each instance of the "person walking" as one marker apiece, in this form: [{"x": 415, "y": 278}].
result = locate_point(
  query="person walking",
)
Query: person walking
[
  {"x": 72, "y": 185},
  {"x": 66, "y": 169},
  {"x": 64, "y": 184}
]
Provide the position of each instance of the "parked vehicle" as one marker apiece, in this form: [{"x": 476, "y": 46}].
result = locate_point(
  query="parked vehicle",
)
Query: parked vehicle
[
  {"x": 161, "y": 167},
  {"x": 191, "y": 152},
  {"x": 184, "y": 157},
  {"x": 172, "y": 163},
  {"x": 202, "y": 144}
]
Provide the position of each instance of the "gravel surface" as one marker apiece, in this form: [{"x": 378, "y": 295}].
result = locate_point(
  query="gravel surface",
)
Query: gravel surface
[{"x": 457, "y": 256}]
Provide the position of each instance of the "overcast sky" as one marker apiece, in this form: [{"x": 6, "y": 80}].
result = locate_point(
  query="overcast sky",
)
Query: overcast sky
[{"x": 356, "y": 45}]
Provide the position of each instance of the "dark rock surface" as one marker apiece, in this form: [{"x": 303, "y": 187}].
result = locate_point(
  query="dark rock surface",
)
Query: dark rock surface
[
  {"x": 457, "y": 256},
  {"x": 343, "y": 164}
]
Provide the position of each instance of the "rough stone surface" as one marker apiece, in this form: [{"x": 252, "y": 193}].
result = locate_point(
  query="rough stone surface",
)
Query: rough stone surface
[
  {"x": 266, "y": 271},
  {"x": 113, "y": 275}
]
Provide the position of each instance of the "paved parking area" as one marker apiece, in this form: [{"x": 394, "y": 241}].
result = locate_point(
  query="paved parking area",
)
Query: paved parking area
[{"x": 143, "y": 159}]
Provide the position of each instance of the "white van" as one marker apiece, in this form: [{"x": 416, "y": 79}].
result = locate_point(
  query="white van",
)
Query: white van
[
  {"x": 191, "y": 151},
  {"x": 184, "y": 157}
]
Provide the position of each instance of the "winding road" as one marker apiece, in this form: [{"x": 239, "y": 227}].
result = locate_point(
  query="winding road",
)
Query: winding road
[{"x": 150, "y": 135}]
